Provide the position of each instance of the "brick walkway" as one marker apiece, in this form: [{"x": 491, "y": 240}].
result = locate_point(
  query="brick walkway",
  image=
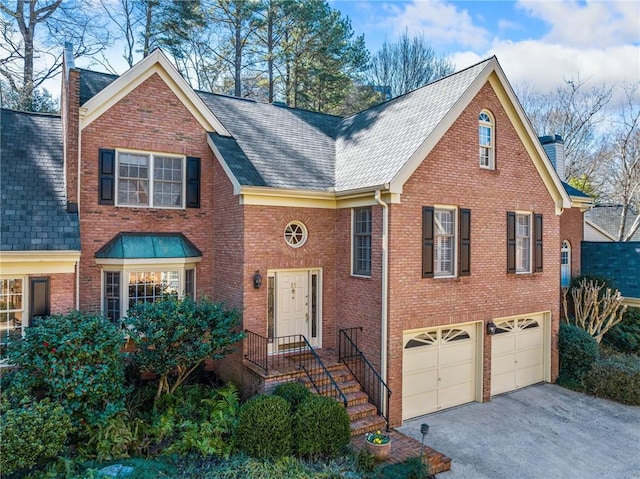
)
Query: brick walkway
[{"x": 405, "y": 447}]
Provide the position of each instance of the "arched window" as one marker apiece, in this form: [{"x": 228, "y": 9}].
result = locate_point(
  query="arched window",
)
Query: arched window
[
  {"x": 565, "y": 264},
  {"x": 486, "y": 140}
]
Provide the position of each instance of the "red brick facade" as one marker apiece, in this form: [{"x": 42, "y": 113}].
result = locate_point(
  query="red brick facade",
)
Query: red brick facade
[{"x": 237, "y": 240}]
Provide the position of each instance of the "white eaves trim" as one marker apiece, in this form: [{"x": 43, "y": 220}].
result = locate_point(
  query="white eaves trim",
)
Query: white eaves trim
[
  {"x": 521, "y": 124},
  {"x": 156, "y": 62},
  {"x": 600, "y": 230}
]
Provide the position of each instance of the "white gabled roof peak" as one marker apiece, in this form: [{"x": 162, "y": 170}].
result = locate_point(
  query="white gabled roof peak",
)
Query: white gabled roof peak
[{"x": 156, "y": 62}]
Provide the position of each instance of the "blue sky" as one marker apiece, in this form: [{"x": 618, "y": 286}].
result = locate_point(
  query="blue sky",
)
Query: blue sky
[{"x": 538, "y": 42}]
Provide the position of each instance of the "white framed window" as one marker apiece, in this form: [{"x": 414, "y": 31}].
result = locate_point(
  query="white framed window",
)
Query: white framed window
[
  {"x": 150, "y": 180},
  {"x": 361, "y": 247},
  {"x": 523, "y": 243},
  {"x": 125, "y": 286},
  {"x": 565, "y": 264},
  {"x": 486, "y": 139},
  {"x": 295, "y": 234},
  {"x": 13, "y": 317},
  {"x": 444, "y": 241}
]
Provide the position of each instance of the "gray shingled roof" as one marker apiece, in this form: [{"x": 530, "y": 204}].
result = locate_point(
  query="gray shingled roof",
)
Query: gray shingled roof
[
  {"x": 375, "y": 144},
  {"x": 607, "y": 217},
  {"x": 617, "y": 261},
  {"x": 33, "y": 216},
  {"x": 280, "y": 147},
  {"x": 283, "y": 147}
]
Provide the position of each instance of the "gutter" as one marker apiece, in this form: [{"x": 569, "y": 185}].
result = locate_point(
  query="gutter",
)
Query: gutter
[{"x": 385, "y": 286}]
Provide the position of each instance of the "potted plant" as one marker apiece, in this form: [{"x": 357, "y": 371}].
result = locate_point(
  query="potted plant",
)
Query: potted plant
[{"x": 378, "y": 445}]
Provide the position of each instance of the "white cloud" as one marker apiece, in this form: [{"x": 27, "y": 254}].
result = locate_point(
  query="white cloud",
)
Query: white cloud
[
  {"x": 441, "y": 23},
  {"x": 544, "y": 65},
  {"x": 590, "y": 24}
]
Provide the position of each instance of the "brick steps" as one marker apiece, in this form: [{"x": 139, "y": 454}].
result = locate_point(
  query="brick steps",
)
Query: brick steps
[{"x": 362, "y": 414}]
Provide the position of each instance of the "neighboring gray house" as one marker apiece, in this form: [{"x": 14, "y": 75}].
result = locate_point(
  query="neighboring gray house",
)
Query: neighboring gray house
[{"x": 602, "y": 222}]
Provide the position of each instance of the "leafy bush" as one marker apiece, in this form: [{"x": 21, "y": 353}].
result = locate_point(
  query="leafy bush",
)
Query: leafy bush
[
  {"x": 75, "y": 359},
  {"x": 31, "y": 434},
  {"x": 617, "y": 378},
  {"x": 625, "y": 337},
  {"x": 293, "y": 392},
  {"x": 321, "y": 427},
  {"x": 264, "y": 427},
  {"x": 578, "y": 352},
  {"x": 174, "y": 336}
]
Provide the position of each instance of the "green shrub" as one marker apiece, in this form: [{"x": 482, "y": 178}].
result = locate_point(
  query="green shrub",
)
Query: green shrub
[
  {"x": 410, "y": 469},
  {"x": 293, "y": 392},
  {"x": 625, "y": 337},
  {"x": 578, "y": 352},
  {"x": 75, "y": 359},
  {"x": 31, "y": 434},
  {"x": 321, "y": 427},
  {"x": 174, "y": 336},
  {"x": 264, "y": 427},
  {"x": 617, "y": 378}
]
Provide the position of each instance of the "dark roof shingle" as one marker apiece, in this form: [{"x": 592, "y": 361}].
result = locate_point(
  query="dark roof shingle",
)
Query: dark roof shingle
[{"x": 33, "y": 212}]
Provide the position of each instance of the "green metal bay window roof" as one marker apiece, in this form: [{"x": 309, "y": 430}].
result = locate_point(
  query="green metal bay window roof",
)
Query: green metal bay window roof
[{"x": 148, "y": 246}]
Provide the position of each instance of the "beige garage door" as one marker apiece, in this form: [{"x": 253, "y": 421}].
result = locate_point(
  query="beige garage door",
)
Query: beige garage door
[
  {"x": 439, "y": 369},
  {"x": 517, "y": 353}
]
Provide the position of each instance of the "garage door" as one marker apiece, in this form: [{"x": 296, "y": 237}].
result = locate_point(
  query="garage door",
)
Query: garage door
[
  {"x": 517, "y": 353},
  {"x": 439, "y": 369}
]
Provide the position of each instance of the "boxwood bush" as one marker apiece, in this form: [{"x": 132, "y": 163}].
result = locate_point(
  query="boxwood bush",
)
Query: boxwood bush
[
  {"x": 321, "y": 427},
  {"x": 578, "y": 352},
  {"x": 31, "y": 434},
  {"x": 293, "y": 392},
  {"x": 264, "y": 427},
  {"x": 616, "y": 377},
  {"x": 625, "y": 337}
]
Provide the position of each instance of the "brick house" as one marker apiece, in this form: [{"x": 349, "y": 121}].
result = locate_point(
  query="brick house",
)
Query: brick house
[{"x": 427, "y": 227}]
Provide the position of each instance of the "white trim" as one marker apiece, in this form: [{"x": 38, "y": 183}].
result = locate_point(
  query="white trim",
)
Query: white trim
[
  {"x": 158, "y": 63},
  {"x": 632, "y": 302},
  {"x": 491, "y": 125},
  {"x": 225, "y": 166},
  {"x": 38, "y": 262},
  {"x": 352, "y": 245},
  {"x": 455, "y": 254}
]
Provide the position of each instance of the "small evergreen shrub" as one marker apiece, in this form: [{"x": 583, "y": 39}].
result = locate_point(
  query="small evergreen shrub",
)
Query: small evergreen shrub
[
  {"x": 412, "y": 468},
  {"x": 321, "y": 427},
  {"x": 578, "y": 352},
  {"x": 293, "y": 392},
  {"x": 31, "y": 434},
  {"x": 625, "y": 337},
  {"x": 617, "y": 378},
  {"x": 76, "y": 360},
  {"x": 264, "y": 427}
]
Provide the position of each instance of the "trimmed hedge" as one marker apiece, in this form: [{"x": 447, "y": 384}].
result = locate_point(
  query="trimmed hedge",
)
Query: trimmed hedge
[
  {"x": 264, "y": 427},
  {"x": 32, "y": 434},
  {"x": 321, "y": 427},
  {"x": 625, "y": 337},
  {"x": 617, "y": 378},
  {"x": 578, "y": 352},
  {"x": 293, "y": 392}
]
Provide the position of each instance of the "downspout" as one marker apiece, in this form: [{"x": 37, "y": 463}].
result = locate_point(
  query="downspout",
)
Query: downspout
[
  {"x": 78, "y": 200},
  {"x": 385, "y": 286}
]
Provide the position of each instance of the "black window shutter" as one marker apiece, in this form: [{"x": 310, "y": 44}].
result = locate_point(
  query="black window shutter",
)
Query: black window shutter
[
  {"x": 511, "y": 242},
  {"x": 427, "y": 242},
  {"x": 106, "y": 180},
  {"x": 465, "y": 242},
  {"x": 537, "y": 251},
  {"x": 193, "y": 182}
]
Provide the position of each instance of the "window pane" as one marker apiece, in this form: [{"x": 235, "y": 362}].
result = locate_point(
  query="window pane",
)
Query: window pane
[
  {"x": 362, "y": 241},
  {"x": 444, "y": 223},
  {"x": 523, "y": 243},
  {"x": 189, "y": 283},
  {"x": 167, "y": 186},
  {"x": 112, "y": 295},
  {"x": 150, "y": 286},
  {"x": 11, "y": 312},
  {"x": 133, "y": 179}
]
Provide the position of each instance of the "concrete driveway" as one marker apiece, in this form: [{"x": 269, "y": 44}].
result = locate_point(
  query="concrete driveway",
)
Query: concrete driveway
[{"x": 542, "y": 431}]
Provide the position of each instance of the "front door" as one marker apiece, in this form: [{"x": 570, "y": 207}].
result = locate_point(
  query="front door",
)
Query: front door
[{"x": 297, "y": 304}]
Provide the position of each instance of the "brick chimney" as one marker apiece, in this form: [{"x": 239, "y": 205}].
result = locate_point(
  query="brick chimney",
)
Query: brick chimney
[
  {"x": 554, "y": 147},
  {"x": 69, "y": 106}
]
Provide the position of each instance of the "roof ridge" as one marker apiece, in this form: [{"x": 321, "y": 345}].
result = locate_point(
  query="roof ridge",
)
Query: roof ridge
[{"x": 31, "y": 113}]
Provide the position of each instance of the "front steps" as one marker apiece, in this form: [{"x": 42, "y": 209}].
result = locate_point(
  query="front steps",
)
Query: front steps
[{"x": 362, "y": 414}]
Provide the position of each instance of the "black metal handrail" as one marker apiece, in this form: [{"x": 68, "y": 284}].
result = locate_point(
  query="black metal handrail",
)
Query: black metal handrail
[
  {"x": 370, "y": 381},
  {"x": 291, "y": 352},
  {"x": 320, "y": 376}
]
